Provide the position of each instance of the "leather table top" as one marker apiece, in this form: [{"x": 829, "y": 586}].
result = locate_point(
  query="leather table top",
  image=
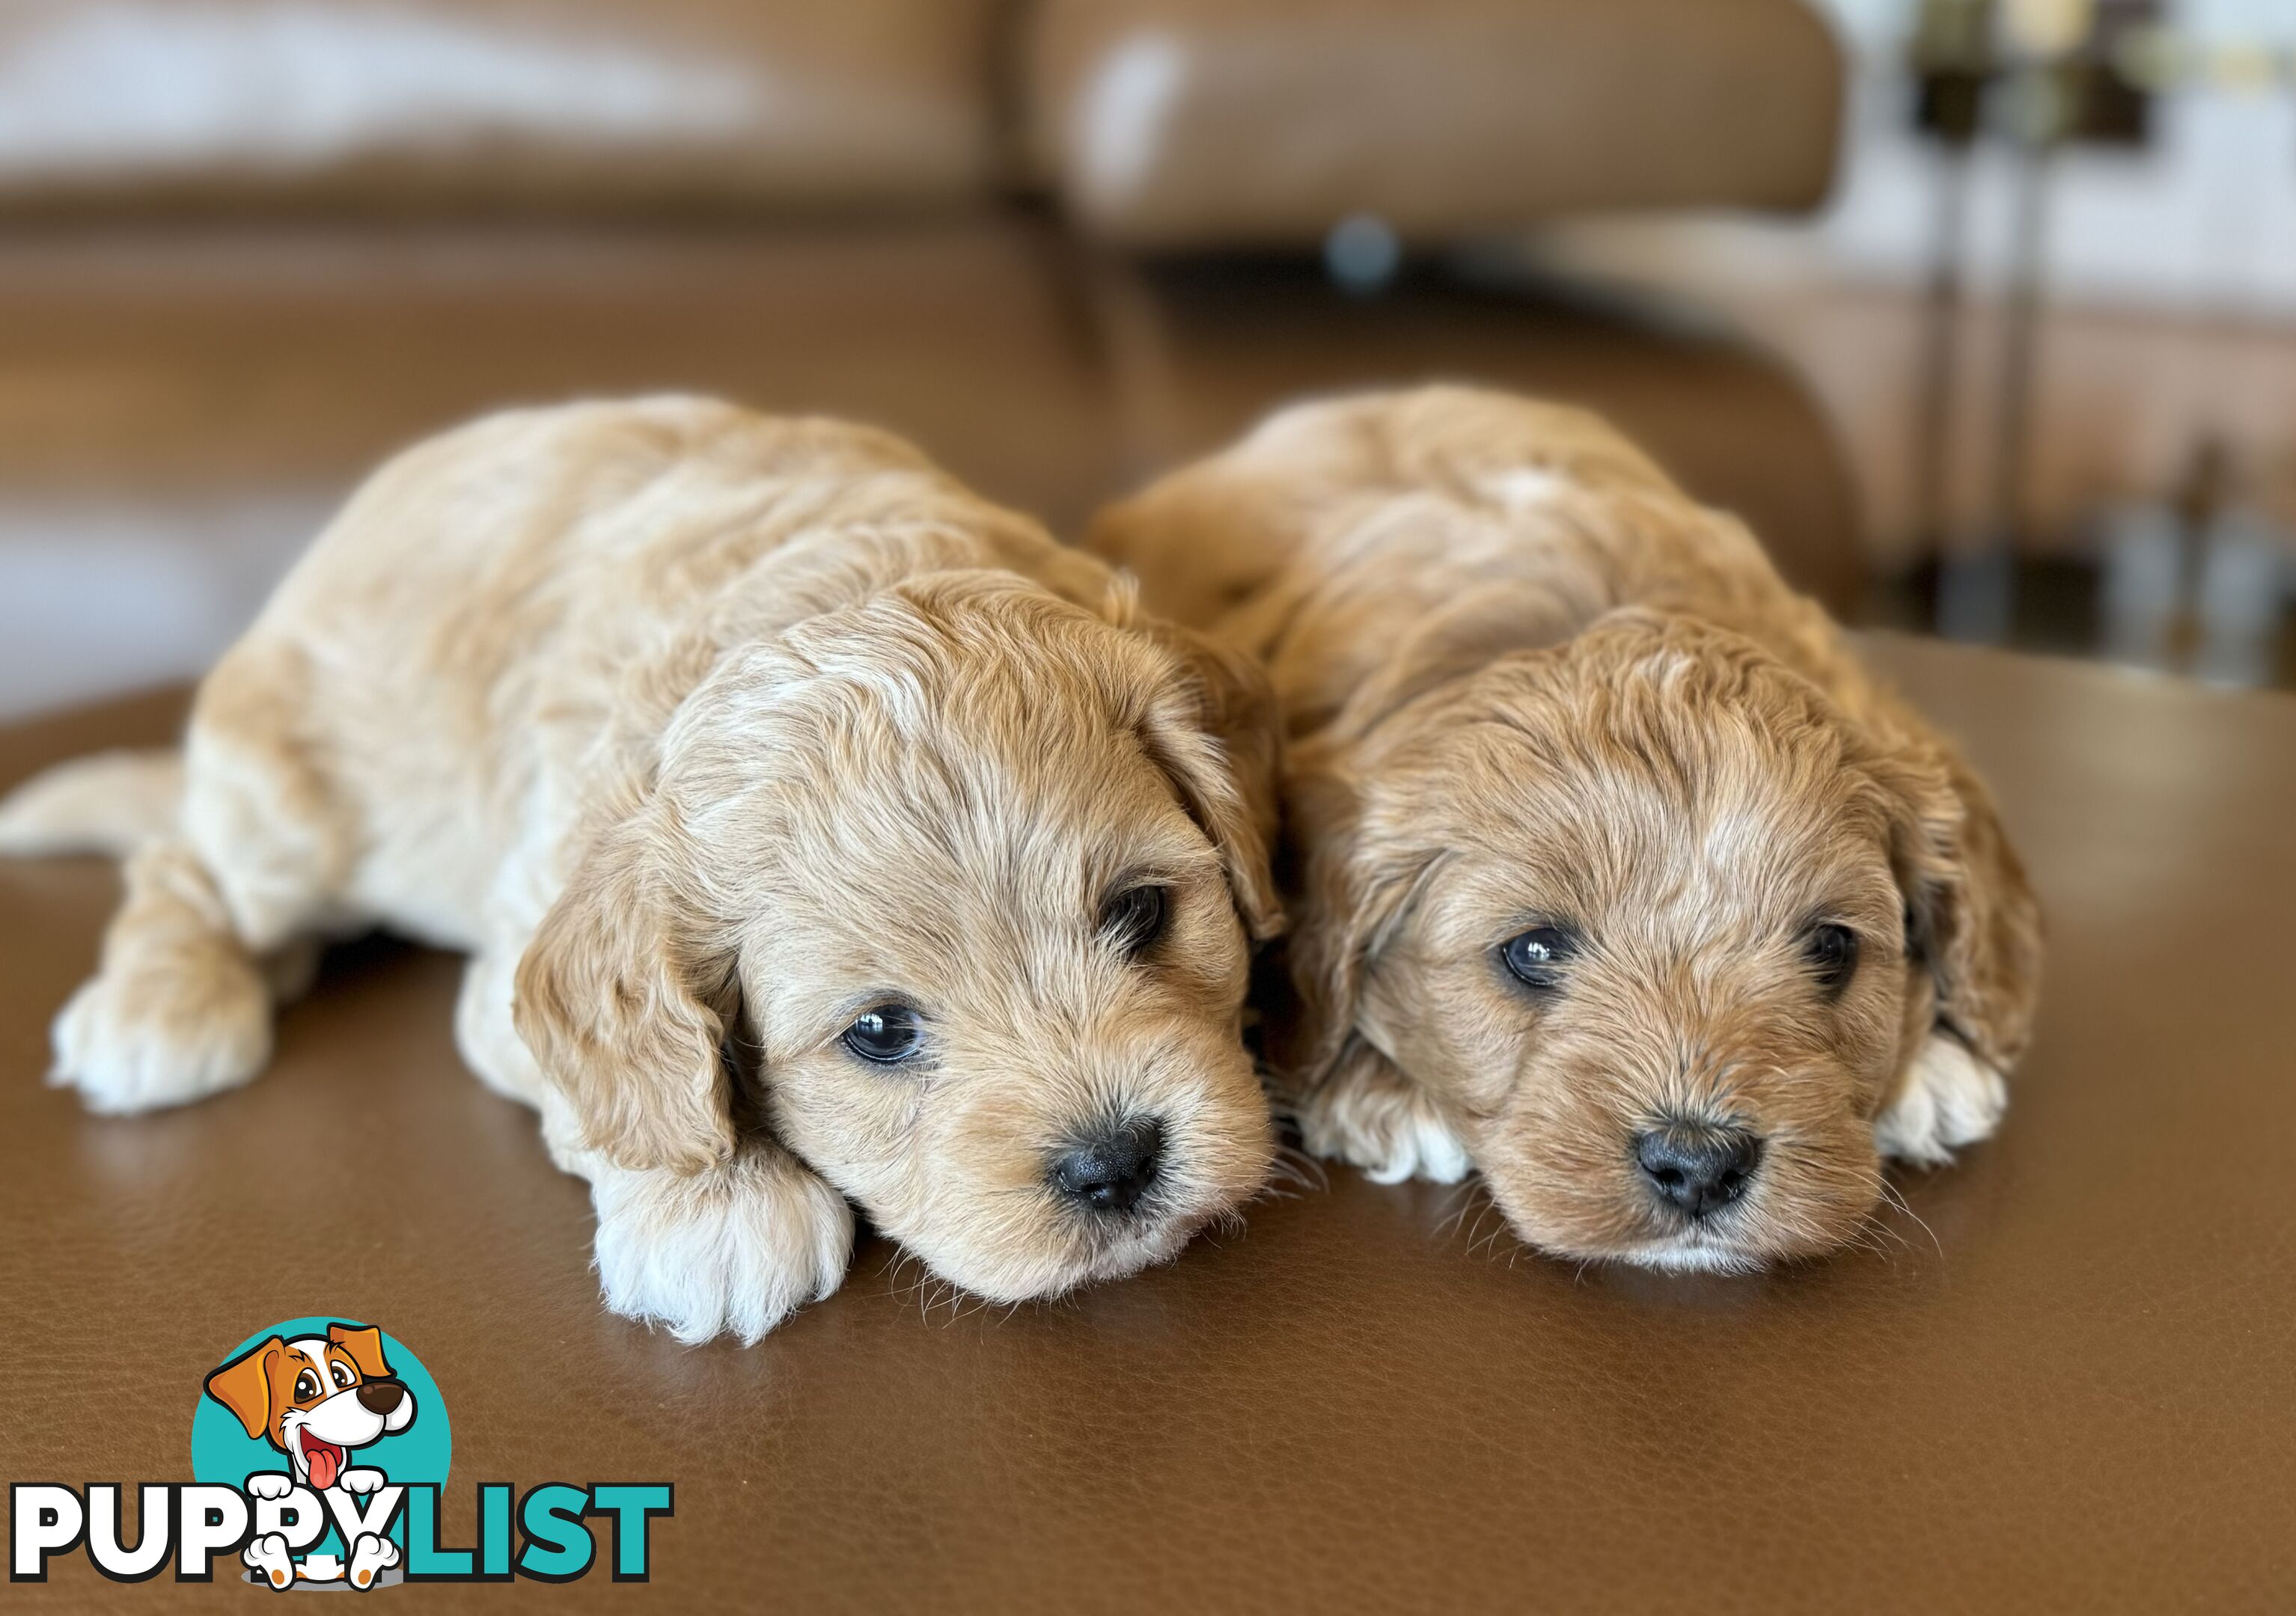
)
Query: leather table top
[{"x": 2064, "y": 1379}]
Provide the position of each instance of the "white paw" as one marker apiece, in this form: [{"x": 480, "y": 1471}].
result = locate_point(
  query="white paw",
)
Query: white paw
[
  {"x": 370, "y": 1556},
  {"x": 270, "y": 1484},
  {"x": 136, "y": 1041},
  {"x": 1384, "y": 1125},
  {"x": 361, "y": 1480},
  {"x": 1951, "y": 1099},
  {"x": 267, "y": 1557},
  {"x": 734, "y": 1251}
]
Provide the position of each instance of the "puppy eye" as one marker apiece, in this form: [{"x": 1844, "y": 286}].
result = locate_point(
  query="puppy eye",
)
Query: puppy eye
[
  {"x": 1830, "y": 952},
  {"x": 889, "y": 1033},
  {"x": 1133, "y": 919},
  {"x": 307, "y": 1384},
  {"x": 1536, "y": 957},
  {"x": 342, "y": 1375}
]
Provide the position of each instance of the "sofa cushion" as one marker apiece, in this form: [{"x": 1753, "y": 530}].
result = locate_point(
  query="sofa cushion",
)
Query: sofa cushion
[
  {"x": 577, "y": 102},
  {"x": 1182, "y": 123}
]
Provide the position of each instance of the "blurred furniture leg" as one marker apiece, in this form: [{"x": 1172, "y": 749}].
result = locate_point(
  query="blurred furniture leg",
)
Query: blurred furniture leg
[
  {"x": 2243, "y": 587},
  {"x": 1977, "y": 585},
  {"x": 2141, "y": 592}
]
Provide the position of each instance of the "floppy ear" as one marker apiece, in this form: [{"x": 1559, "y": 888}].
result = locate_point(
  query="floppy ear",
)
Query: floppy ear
[
  {"x": 1216, "y": 738},
  {"x": 625, "y": 1003},
  {"x": 1357, "y": 890},
  {"x": 244, "y": 1386},
  {"x": 364, "y": 1346},
  {"x": 1972, "y": 916}
]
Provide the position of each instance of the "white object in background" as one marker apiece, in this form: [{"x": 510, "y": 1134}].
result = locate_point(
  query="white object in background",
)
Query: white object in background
[
  {"x": 2200, "y": 221},
  {"x": 2239, "y": 600},
  {"x": 2141, "y": 592}
]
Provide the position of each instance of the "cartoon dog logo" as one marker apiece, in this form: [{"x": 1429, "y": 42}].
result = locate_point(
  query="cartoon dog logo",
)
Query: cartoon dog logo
[{"x": 316, "y": 1399}]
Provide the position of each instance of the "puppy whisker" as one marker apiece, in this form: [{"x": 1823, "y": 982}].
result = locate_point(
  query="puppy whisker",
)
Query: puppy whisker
[
  {"x": 1463, "y": 1197},
  {"x": 1894, "y": 1196},
  {"x": 1292, "y": 1170},
  {"x": 1309, "y": 1172}
]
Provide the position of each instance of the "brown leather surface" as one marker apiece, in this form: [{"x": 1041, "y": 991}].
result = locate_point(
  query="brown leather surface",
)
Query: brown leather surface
[
  {"x": 1188, "y": 123},
  {"x": 197, "y": 365},
  {"x": 2061, "y": 1382},
  {"x": 1205, "y": 349},
  {"x": 187, "y": 368},
  {"x": 463, "y": 103}
]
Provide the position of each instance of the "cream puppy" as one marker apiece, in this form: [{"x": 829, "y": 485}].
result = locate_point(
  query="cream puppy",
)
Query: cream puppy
[
  {"x": 1621, "y": 881},
  {"x": 817, "y": 829}
]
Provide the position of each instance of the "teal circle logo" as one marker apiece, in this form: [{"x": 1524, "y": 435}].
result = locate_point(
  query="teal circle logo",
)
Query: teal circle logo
[
  {"x": 320, "y": 1450},
  {"x": 326, "y": 1403}
]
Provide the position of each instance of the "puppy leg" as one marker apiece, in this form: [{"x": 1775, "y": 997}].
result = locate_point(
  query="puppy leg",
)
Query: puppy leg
[
  {"x": 260, "y": 807},
  {"x": 215, "y": 926},
  {"x": 732, "y": 1251},
  {"x": 1368, "y": 1113},
  {"x": 1950, "y": 1098},
  {"x": 486, "y": 1034},
  {"x": 179, "y": 1009},
  {"x": 371, "y": 1556},
  {"x": 268, "y": 1556}
]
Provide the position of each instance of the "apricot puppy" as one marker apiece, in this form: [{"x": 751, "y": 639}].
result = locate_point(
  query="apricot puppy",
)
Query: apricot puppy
[
  {"x": 817, "y": 829},
  {"x": 1623, "y": 881}
]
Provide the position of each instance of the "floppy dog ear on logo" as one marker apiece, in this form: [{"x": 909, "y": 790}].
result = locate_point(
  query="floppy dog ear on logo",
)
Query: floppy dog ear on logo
[
  {"x": 364, "y": 1345},
  {"x": 244, "y": 1386}
]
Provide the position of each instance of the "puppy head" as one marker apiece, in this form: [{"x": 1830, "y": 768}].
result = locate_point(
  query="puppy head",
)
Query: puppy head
[
  {"x": 966, "y": 877},
  {"x": 1659, "y": 929},
  {"x": 317, "y": 1397}
]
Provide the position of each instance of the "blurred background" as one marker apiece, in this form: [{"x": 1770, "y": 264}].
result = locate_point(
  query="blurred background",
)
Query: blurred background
[{"x": 1982, "y": 311}]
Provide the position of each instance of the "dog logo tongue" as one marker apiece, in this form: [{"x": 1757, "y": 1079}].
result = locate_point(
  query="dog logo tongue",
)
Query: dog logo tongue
[{"x": 326, "y": 1459}]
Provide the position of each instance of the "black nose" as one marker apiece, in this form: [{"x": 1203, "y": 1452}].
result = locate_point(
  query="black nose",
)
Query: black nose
[
  {"x": 379, "y": 1396},
  {"x": 1113, "y": 1168},
  {"x": 1695, "y": 1167}
]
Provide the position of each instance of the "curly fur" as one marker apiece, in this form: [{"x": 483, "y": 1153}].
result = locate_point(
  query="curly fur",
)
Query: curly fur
[
  {"x": 1527, "y": 680},
  {"x": 703, "y": 732}
]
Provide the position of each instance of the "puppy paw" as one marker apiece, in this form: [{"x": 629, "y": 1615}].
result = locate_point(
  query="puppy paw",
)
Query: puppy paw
[
  {"x": 139, "y": 1040},
  {"x": 1373, "y": 1117},
  {"x": 733, "y": 1252},
  {"x": 268, "y": 1558},
  {"x": 270, "y": 1484},
  {"x": 371, "y": 1556},
  {"x": 359, "y": 1481},
  {"x": 1951, "y": 1099}
]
